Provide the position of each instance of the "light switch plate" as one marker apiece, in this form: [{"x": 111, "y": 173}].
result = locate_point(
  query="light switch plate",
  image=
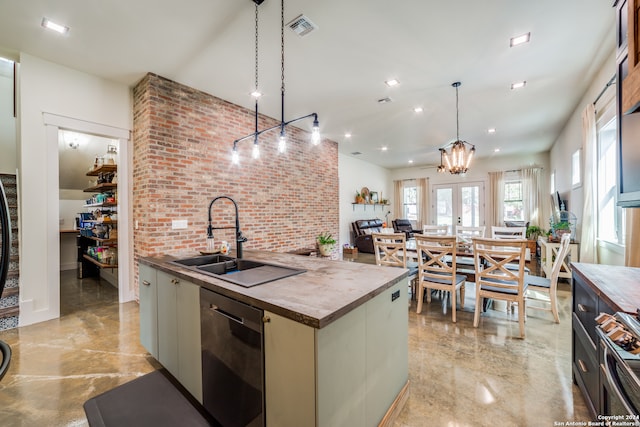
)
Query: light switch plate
[{"x": 178, "y": 224}]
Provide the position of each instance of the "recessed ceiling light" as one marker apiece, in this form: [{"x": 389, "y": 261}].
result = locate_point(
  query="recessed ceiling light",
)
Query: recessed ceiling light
[
  {"x": 347, "y": 135},
  {"x": 384, "y": 148},
  {"x": 256, "y": 94},
  {"x": 392, "y": 82},
  {"x": 518, "y": 85},
  {"x": 524, "y": 38},
  {"x": 418, "y": 109},
  {"x": 54, "y": 26},
  {"x": 410, "y": 161},
  {"x": 491, "y": 130},
  {"x": 496, "y": 150}
]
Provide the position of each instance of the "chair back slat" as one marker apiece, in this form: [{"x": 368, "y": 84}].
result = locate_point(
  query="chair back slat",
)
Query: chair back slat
[
  {"x": 436, "y": 257},
  {"x": 435, "y": 230},
  {"x": 514, "y": 233},
  {"x": 563, "y": 250},
  {"x": 492, "y": 259},
  {"x": 390, "y": 249}
]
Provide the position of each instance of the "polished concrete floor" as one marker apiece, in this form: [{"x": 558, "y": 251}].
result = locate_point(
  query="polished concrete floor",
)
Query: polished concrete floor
[{"x": 460, "y": 375}]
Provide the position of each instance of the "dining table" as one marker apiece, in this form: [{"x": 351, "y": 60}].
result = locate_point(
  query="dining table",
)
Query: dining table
[{"x": 465, "y": 261}]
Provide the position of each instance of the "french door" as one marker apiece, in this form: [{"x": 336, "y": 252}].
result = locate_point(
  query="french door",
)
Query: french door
[{"x": 458, "y": 204}]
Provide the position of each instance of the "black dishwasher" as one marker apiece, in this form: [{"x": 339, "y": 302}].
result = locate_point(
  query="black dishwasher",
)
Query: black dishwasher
[{"x": 232, "y": 360}]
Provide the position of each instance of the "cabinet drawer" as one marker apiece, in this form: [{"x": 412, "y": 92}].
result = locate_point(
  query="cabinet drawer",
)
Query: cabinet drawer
[
  {"x": 585, "y": 366},
  {"x": 585, "y": 307}
]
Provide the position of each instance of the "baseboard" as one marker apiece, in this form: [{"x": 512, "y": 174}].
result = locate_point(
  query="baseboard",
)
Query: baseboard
[
  {"x": 69, "y": 266},
  {"x": 396, "y": 407}
]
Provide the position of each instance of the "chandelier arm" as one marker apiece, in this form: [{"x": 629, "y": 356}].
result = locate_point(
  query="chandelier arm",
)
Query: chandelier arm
[{"x": 257, "y": 133}]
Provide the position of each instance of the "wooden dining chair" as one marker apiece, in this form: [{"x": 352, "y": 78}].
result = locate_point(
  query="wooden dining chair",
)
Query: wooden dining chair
[
  {"x": 512, "y": 233},
  {"x": 435, "y": 230},
  {"x": 391, "y": 250},
  {"x": 508, "y": 232},
  {"x": 549, "y": 285},
  {"x": 437, "y": 270},
  {"x": 495, "y": 279},
  {"x": 464, "y": 234}
]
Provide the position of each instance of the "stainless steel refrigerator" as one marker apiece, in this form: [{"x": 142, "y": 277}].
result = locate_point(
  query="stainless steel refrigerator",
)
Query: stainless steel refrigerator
[{"x": 5, "y": 253}]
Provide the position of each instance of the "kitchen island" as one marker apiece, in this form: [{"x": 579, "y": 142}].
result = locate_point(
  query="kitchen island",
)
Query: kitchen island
[{"x": 335, "y": 337}]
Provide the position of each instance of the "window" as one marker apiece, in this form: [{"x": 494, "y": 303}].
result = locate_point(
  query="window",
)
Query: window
[
  {"x": 575, "y": 169},
  {"x": 410, "y": 201},
  {"x": 513, "y": 206},
  {"x": 610, "y": 216}
]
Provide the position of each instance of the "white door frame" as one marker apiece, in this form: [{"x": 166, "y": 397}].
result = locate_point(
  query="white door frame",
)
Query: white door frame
[
  {"x": 53, "y": 124},
  {"x": 455, "y": 186}
]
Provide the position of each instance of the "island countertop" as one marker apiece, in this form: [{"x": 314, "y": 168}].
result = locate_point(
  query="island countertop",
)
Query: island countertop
[{"x": 328, "y": 289}]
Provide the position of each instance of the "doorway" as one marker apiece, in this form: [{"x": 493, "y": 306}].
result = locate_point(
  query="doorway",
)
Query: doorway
[
  {"x": 83, "y": 236},
  {"x": 458, "y": 204},
  {"x": 53, "y": 125}
]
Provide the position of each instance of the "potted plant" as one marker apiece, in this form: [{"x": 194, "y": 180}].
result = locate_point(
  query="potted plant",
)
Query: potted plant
[
  {"x": 561, "y": 228},
  {"x": 359, "y": 198},
  {"x": 533, "y": 232},
  {"x": 326, "y": 243}
]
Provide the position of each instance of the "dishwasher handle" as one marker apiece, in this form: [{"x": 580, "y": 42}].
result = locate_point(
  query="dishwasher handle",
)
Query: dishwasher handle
[{"x": 228, "y": 315}]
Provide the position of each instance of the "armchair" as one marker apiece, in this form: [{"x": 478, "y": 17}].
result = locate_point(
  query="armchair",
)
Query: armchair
[
  {"x": 362, "y": 230},
  {"x": 404, "y": 226}
]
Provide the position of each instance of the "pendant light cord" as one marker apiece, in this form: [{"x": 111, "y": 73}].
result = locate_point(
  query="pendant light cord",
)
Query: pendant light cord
[
  {"x": 457, "y": 116},
  {"x": 256, "y": 64},
  {"x": 282, "y": 59}
]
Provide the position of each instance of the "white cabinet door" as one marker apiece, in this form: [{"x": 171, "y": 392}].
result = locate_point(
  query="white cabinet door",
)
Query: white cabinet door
[
  {"x": 167, "y": 322},
  {"x": 189, "y": 341},
  {"x": 179, "y": 331},
  {"x": 290, "y": 372},
  {"x": 387, "y": 350},
  {"x": 148, "y": 294}
]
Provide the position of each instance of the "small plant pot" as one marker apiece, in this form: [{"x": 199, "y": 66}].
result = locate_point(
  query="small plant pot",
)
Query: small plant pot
[{"x": 325, "y": 250}]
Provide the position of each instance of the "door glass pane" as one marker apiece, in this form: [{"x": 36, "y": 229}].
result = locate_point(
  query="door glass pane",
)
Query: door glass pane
[
  {"x": 470, "y": 206},
  {"x": 444, "y": 206}
]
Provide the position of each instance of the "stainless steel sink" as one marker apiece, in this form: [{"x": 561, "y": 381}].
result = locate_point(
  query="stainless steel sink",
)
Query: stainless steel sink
[
  {"x": 242, "y": 272},
  {"x": 202, "y": 260}
]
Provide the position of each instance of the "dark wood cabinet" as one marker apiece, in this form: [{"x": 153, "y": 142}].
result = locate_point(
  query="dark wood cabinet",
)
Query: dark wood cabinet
[
  {"x": 597, "y": 289},
  {"x": 628, "y": 101},
  {"x": 628, "y": 43}
]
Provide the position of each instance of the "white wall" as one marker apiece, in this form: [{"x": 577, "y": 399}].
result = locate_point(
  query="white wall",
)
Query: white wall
[
  {"x": 568, "y": 142},
  {"x": 478, "y": 171},
  {"x": 353, "y": 174},
  {"x": 7, "y": 125},
  {"x": 45, "y": 87},
  {"x": 71, "y": 202}
]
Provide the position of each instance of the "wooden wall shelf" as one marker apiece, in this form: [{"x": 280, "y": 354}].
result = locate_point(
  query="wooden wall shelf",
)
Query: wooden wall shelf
[
  {"x": 98, "y": 263},
  {"x": 102, "y": 169},
  {"x": 368, "y": 204}
]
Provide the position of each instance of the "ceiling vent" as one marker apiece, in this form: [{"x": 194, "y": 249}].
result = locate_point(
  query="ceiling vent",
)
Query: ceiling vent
[
  {"x": 384, "y": 100},
  {"x": 302, "y": 25},
  {"x": 356, "y": 153}
]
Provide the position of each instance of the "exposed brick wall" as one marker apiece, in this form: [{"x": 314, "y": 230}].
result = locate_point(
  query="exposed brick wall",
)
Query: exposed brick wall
[{"x": 182, "y": 160}]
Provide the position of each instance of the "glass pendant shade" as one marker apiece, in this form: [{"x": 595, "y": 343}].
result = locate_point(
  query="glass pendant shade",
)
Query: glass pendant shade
[{"x": 282, "y": 142}]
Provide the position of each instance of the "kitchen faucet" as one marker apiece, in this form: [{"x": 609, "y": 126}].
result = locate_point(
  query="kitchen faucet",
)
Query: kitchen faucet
[{"x": 239, "y": 237}]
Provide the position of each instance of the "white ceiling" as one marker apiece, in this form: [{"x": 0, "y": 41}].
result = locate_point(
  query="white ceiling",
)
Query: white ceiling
[{"x": 339, "y": 69}]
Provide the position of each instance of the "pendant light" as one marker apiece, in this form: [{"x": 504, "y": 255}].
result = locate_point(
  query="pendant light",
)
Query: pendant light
[
  {"x": 282, "y": 138},
  {"x": 458, "y": 160}
]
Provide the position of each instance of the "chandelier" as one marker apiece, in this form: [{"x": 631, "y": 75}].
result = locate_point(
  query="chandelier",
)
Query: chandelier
[
  {"x": 459, "y": 159},
  {"x": 282, "y": 139}
]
